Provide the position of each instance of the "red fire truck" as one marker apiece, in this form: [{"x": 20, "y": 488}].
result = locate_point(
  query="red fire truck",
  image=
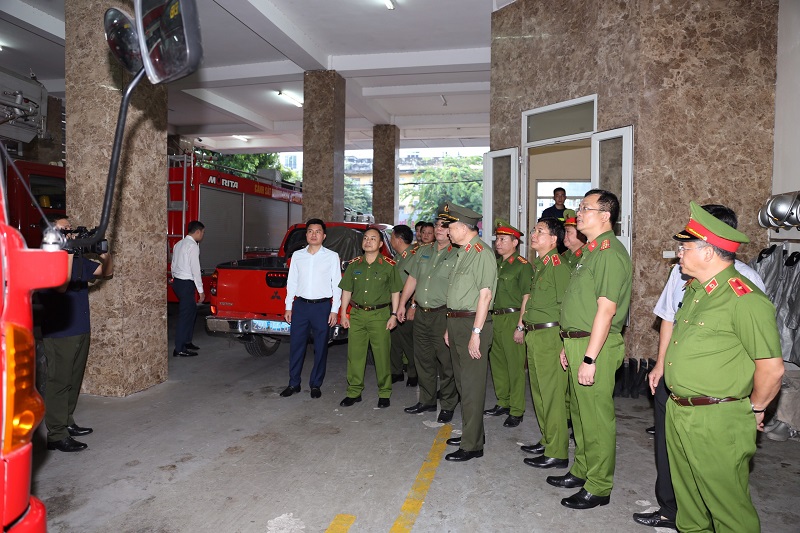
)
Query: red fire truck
[
  {"x": 245, "y": 215},
  {"x": 48, "y": 185}
]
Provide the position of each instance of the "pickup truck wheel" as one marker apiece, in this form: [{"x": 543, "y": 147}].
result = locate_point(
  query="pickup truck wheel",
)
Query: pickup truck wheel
[{"x": 261, "y": 345}]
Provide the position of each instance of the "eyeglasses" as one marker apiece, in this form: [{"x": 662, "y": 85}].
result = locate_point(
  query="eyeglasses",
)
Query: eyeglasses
[
  {"x": 541, "y": 231},
  {"x": 682, "y": 248},
  {"x": 582, "y": 208}
]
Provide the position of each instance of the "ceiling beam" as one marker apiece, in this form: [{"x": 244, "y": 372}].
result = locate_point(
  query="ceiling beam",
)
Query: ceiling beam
[
  {"x": 231, "y": 108},
  {"x": 427, "y": 62},
  {"x": 476, "y": 87},
  {"x": 34, "y": 20}
]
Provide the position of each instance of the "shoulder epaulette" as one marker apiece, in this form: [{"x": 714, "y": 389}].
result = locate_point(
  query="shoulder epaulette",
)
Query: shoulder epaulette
[
  {"x": 478, "y": 247},
  {"x": 739, "y": 287},
  {"x": 522, "y": 260},
  {"x": 556, "y": 259},
  {"x": 404, "y": 254},
  {"x": 390, "y": 261},
  {"x": 359, "y": 259},
  {"x": 605, "y": 244},
  {"x": 468, "y": 247},
  {"x": 688, "y": 282}
]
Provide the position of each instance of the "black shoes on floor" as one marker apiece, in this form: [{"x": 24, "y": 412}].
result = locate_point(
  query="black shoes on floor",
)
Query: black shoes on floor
[
  {"x": 584, "y": 500},
  {"x": 445, "y": 416},
  {"x": 76, "y": 431},
  {"x": 545, "y": 462},
  {"x": 67, "y": 444},
  {"x": 512, "y": 421},
  {"x": 420, "y": 408},
  {"x": 383, "y": 403},
  {"x": 288, "y": 391},
  {"x": 537, "y": 448},
  {"x": 497, "y": 411},
  {"x": 463, "y": 455},
  {"x": 316, "y": 393},
  {"x": 185, "y": 353},
  {"x": 397, "y": 377},
  {"x": 348, "y": 401},
  {"x": 654, "y": 519},
  {"x": 567, "y": 481},
  {"x": 190, "y": 346}
]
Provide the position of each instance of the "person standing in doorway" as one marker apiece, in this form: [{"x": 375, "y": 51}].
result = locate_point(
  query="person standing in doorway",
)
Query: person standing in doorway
[
  {"x": 312, "y": 304},
  {"x": 187, "y": 278},
  {"x": 556, "y": 210}
]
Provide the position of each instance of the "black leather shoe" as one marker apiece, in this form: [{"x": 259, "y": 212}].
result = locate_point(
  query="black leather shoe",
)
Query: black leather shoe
[
  {"x": 654, "y": 519},
  {"x": 184, "y": 353},
  {"x": 288, "y": 391},
  {"x": 398, "y": 377},
  {"x": 463, "y": 455},
  {"x": 67, "y": 445},
  {"x": 190, "y": 346},
  {"x": 412, "y": 382},
  {"x": 455, "y": 441},
  {"x": 651, "y": 430},
  {"x": 76, "y": 431},
  {"x": 497, "y": 411},
  {"x": 512, "y": 421},
  {"x": 545, "y": 462},
  {"x": 567, "y": 481},
  {"x": 445, "y": 416},
  {"x": 348, "y": 401},
  {"x": 537, "y": 448},
  {"x": 383, "y": 403},
  {"x": 315, "y": 392},
  {"x": 419, "y": 408},
  {"x": 584, "y": 500}
]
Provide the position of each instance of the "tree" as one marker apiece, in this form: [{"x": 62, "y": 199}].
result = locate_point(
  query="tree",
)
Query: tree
[
  {"x": 250, "y": 163},
  {"x": 458, "y": 180},
  {"x": 357, "y": 196}
]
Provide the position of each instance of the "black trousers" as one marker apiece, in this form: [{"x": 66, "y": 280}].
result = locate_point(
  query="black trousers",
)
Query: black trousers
[
  {"x": 187, "y": 312},
  {"x": 664, "y": 491}
]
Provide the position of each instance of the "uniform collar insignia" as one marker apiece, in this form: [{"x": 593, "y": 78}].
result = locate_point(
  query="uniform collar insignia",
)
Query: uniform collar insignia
[
  {"x": 511, "y": 259},
  {"x": 592, "y": 245},
  {"x": 711, "y": 285},
  {"x": 404, "y": 254},
  {"x": 450, "y": 248},
  {"x": 556, "y": 259},
  {"x": 688, "y": 282},
  {"x": 546, "y": 260},
  {"x": 467, "y": 248},
  {"x": 579, "y": 252},
  {"x": 739, "y": 286}
]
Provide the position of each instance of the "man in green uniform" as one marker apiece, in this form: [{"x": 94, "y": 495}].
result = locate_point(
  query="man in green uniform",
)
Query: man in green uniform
[
  {"x": 574, "y": 241},
  {"x": 470, "y": 294},
  {"x": 402, "y": 335},
  {"x": 595, "y": 306},
  {"x": 507, "y": 355},
  {"x": 372, "y": 285},
  {"x": 428, "y": 277},
  {"x": 541, "y": 311},
  {"x": 723, "y": 367}
]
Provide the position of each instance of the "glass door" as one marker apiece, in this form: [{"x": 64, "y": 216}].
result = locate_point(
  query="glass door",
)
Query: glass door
[
  {"x": 503, "y": 165},
  {"x": 612, "y": 170}
]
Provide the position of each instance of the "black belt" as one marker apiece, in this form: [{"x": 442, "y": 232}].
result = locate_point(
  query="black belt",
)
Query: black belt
[
  {"x": 701, "y": 400},
  {"x": 370, "y": 307},
  {"x": 451, "y": 313},
  {"x": 505, "y": 311},
  {"x": 545, "y": 325},
  {"x": 574, "y": 334},
  {"x": 317, "y": 301},
  {"x": 431, "y": 309}
]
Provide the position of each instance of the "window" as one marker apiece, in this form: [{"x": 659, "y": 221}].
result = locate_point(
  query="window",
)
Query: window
[{"x": 544, "y": 193}]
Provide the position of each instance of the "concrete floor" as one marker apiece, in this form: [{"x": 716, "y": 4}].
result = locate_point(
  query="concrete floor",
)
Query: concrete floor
[{"x": 216, "y": 449}]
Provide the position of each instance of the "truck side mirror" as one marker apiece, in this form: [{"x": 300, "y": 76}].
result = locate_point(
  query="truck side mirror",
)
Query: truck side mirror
[
  {"x": 169, "y": 37},
  {"x": 122, "y": 39}
]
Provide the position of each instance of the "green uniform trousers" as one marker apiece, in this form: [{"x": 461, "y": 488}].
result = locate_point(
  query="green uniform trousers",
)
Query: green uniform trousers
[
  {"x": 403, "y": 343},
  {"x": 66, "y": 363},
  {"x": 470, "y": 377},
  {"x": 549, "y": 389},
  {"x": 432, "y": 357},
  {"x": 368, "y": 328},
  {"x": 709, "y": 449},
  {"x": 507, "y": 361},
  {"x": 593, "y": 419}
]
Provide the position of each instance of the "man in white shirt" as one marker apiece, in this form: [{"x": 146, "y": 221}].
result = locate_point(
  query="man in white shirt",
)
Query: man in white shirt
[
  {"x": 187, "y": 279},
  {"x": 313, "y": 298}
]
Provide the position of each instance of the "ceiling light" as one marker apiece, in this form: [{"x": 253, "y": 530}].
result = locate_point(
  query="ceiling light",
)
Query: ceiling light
[
  {"x": 389, "y": 4},
  {"x": 241, "y": 138},
  {"x": 293, "y": 99},
  {"x": 1, "y": 48}
]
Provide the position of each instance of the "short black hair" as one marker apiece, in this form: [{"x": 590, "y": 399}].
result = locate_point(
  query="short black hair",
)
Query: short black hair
[
  {"x": 608, "y": 202},
  {"x": 404, "y": 232},
  {"x": 725, "y": 214},
  {"x": 556, "y": 227},
  {"x": 418, "y": 225},
  {"x": 426, "y": 225},
  {"x": 50, "y": 219},
  {"x": 562, "y": 189},
  {"x": 318, "y": 222},
  {"x": 195, "y": 225}
]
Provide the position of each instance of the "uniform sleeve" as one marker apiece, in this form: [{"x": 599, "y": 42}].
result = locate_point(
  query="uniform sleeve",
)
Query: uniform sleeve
[
  {"x": 610, "y": 276},
  {"x": 346, "y": 284},
  {"x": 561, "y": 277},
  {"x": 524, "y": 279},
  {"x": 756, "y": 327},
  {"x": 395, "y": 281},
  {"x": 487, "y": 271}
]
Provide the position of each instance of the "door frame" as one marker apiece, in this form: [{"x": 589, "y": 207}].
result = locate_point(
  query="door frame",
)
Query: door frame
[
  {"x": 626, "y": 199},
  {"x": 488, "y": 189}
]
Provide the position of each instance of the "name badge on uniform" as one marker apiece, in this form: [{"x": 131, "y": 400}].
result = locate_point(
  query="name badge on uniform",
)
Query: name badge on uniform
[{"x": 357, "y": 272}]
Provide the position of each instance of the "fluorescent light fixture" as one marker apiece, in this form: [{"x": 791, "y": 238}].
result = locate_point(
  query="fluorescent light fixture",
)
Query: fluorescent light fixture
[
  {"x": 389, "y": 4},
  {"x": 290, "y": 98},
  {"x": 241, "y": 138}
]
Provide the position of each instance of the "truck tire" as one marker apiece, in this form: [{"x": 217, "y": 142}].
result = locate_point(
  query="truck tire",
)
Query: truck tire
[{"x": 261, "y": 345}]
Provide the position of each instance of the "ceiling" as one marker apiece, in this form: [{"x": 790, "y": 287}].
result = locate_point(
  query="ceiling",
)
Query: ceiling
[{"x": 423, "y": 67}]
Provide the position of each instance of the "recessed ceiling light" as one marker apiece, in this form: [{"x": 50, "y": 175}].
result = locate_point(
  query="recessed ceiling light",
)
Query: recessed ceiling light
[
  {"x": 389, "y": 4},
  {"x": 291, "y": 98},
  {"x": 240, "y": 137}
]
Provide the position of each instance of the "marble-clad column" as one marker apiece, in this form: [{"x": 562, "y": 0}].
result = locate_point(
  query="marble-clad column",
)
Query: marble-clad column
[
  {"x": 129, "y": 324},
  {"x": 385, "y": 177},
  {"x": 323, "y": 145}
]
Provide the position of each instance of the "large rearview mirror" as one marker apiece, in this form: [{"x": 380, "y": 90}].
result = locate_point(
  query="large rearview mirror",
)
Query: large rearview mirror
[
  {"x": 123, "y": 40},
  {"x": 169, "y": 37}
]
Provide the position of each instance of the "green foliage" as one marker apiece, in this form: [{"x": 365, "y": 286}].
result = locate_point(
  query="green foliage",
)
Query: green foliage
[
  {"x": 458, "y": 180},
  {"x": 250, "y": 163},
  {"x": 357, "y": 196}
]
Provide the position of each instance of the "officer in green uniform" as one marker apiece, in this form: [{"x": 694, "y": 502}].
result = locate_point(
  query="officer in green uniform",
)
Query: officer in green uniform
[
  {"x": 723, "y": 367},
  {"x": 372, "y": 285},
  {"x": 470, "y": 295},
  {"x": 541, "y": 311},
  {"x": 403, "y": 334},
  {"x": 507, "y": 355},
  {"x": 574, "y": 241},
  {"x": 592, "y": 315},
  {"x": 428, "y": 276}
]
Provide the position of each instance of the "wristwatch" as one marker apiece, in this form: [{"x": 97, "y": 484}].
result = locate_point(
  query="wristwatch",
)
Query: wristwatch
[
  {"x": 757, "y": 411},
  {"x": 476, "y": 331},
  {"x": 588, "y": 360},
  {"x": 413, "y": 306},
  {"x": 520, "y": 328}
]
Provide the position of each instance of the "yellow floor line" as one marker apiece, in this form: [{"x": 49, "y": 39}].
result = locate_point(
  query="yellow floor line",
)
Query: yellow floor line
[
  {"x": 416, "y": 496},
  {"x": 341, "y": 523}
]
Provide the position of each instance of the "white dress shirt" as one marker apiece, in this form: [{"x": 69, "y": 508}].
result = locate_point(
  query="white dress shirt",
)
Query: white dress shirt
[
  {"x": 314, "y": 276},
  {"x": 186, "y": 262}
]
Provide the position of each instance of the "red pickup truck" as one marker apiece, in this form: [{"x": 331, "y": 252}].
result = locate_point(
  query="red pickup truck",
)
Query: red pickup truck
[{"x": 248, "y": 296}]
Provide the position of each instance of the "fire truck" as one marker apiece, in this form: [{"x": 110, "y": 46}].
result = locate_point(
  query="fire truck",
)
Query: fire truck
[
  {"x": 48, "y": 185},
  {"x": 245, "y": 215}
]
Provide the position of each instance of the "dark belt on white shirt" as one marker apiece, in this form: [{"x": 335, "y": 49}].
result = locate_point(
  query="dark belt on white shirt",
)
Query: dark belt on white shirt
[{"x": 310, "y": 301}]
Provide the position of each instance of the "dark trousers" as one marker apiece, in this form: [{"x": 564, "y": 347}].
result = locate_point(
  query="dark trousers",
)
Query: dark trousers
[
  {"x": 187, "y": 312},
  {"x": 66, "y": 363},
  {"x": 665, "y": 494},
  {"x": 314, "y": 317}
]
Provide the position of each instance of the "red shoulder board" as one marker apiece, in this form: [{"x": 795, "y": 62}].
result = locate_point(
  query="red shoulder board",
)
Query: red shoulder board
[
  {"x": 467, "y": 248},
  {"x": 579, "y": 252},
  {"x": 359, "y": 259},
  {"x": 592, "y": 245},
  {"x": 546, "y": 259},
  {"x": 556, "y": 260},
  {"x": 478, "y": 248},
  {"x": 522, "y": 260},
  {"x": 739, "y": 287},
  {"x": 390, "y": 261},
  {"x": 711, "y": 285},
  {"x": 606, "y": 244},
  {"x": 404, "y": 254}
]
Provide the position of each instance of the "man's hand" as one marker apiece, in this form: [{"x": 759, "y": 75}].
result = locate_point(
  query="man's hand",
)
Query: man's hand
[
  {"x": 401, "y": 314},
  {"x": 201, "y": 298},
  {"x": 332, "y": 319},
  {"x": 345, "y": 321},
  {"x": 474, "y": 346},
  {"x": 563, "y": 357},
  {"x": 287, "y": 316},
  {"x": 391, "y": 323},
  {"x": 586, "y": 374},
  {"x": 519, "y": 336},
  {"x": 446, "y": 339},
  {"x": 655, "y": 376},
  {"x": 760, "y": 421}
]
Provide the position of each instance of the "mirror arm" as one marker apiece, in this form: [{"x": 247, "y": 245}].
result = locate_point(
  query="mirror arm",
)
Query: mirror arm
[{"x": 113, "y": 166}]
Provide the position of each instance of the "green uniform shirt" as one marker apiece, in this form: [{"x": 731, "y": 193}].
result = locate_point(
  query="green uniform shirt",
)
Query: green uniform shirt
[
  {"x": 431, "y": 268},
  {"x": 720, "y": 329},
  {"x": 603, "y": 270},
  {"x": 547, "y": 287},
  {"x": 571, "y": 257},
  {"x": 476, "y": 269},
  {"x": 403, "y": 260},
  {"x": 371, "y": 284},
  {"x": 513, "y": 281}
]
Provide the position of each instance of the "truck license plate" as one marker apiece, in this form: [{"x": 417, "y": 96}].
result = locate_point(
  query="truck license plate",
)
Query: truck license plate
[{"x": 269, "y": 326}]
